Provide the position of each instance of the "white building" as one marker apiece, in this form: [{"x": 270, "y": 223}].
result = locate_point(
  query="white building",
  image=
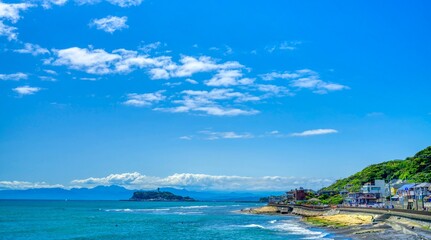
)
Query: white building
[{"x": 376, "y": 187}]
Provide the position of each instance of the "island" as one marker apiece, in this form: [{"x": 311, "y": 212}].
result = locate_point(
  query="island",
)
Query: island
[{"x": 158, "y": 196}]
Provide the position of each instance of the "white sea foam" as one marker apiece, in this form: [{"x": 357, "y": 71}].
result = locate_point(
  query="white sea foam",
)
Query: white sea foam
[
  {"x": 290, "y": 228},
  {"x": 254, "y": 226},
  {"x": 296, "y": 229},
  {"x": 138, "y": 210},
  {"x": 188, "y": 213},
  {"x": 194, "y": 207}
]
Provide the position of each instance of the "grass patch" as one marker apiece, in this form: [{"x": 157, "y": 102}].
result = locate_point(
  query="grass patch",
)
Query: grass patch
[{"x": 320, "y": 222}]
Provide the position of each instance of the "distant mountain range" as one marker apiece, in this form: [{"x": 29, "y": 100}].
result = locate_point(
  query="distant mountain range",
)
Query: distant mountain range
[{"x": 120, "y": 193}]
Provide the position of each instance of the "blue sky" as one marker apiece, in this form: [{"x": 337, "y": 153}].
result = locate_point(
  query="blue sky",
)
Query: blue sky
[{"x": 209, "y": 94}]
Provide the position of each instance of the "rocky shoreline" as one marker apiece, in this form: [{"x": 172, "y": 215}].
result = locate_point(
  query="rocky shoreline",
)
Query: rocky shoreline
[{"x": 358, "y": 225}]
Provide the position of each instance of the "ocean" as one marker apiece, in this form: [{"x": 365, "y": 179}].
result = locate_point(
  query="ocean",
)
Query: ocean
[{"x": 146, "y": 220}]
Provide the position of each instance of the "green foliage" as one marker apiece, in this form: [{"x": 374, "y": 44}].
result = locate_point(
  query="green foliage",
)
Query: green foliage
[
  {"x": 331, "y": 200},
  {"x": 413, "y": 169},
  {"x": 158, "y": 196}
]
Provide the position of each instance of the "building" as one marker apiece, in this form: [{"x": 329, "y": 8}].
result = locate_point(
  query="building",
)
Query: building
[
  {"x": 422, "y": 189},
  {"x": 299, "y": 194},
  {"x": 359, "y": 198},
  {"x": 376, "y": 187}
]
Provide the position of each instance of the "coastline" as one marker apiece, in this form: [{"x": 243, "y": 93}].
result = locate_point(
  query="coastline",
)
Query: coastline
[{"x": 358, "y": 225}]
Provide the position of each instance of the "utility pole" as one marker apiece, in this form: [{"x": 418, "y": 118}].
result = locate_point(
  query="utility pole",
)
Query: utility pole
[{"x": 390, "y": 193}]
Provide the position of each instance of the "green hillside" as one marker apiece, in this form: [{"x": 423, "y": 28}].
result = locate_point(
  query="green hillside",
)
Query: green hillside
[{"x": 412, "y": 169}]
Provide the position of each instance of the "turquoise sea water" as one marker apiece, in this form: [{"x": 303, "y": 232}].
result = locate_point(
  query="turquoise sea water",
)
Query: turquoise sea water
[{"x": 145, "y": 220}]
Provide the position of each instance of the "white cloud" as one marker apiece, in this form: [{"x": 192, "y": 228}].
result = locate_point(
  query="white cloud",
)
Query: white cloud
[
  {"x": 146, "y": 99},
  {"x": 14, "y": 76},
  {"x": 96, "y": 61},
  {"x": 286, "y": 45},
  {"x": 317, "y": 85},
  {"x": 210, "y": 135},
  {"x": 273, "y": 89},
  {"x": 276, "y": 75},
  {"x": 89, "y": 2},
  {"x": 314, "y": 132},
  {"x": 305, "y": 78},
  {"x": 48, "y": 3},
  {"x": 159, "y": 73},
  {"x": 192, "y": 181},
  {"x": 32, "y": 49},
  {"x": 11, "y": 11},
  {"x": 150, "y": 47},
  {"x": 47, "y": 78},
  {"x": 26, "y": 90},
  {"x": 191, "y": 65},
  {"x": 89, "y": 79},
  {"x": 120, "y": 3},
  {"x": 186, "y": 138},
  {"x": 21, "y": 185},
  {"x": 125, "y": 3},
  {"x": 228, "y": 78},
  {"x": 8, "y": 31},
  {"x": 191, "y": 81},
  {"x": 52, "y": 72},
  {"x": 209, "y": 102},
  {"x": 110, "y": 24},
  {"x": 99, "y": 61}
]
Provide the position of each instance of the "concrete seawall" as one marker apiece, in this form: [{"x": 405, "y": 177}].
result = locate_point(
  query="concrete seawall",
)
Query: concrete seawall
[
  {"x": 308, "y": 211},
  {"x": 422, "y": 216}
]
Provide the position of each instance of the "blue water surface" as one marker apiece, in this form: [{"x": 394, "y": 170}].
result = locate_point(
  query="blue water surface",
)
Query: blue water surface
[{"x": 146, "y": 220}]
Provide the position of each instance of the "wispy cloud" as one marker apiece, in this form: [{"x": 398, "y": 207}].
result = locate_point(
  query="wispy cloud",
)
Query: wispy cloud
[
  {"x": 21, "y": 185},
  {"x": 120, "y": 3},
  {"x": 150, "y": 47},
  {"x": 305, "y": 79},
  {"x": 286, "y": 45},
  {"x": 32, "y": 49},
  {"x": 142, "y": 100},
  {"x": 26, "y": 90},
  {"x": 186, "y": 137},
  {"x": 99, "y": 61},
  {"x": 110, "y": 24},
  {"x": 209, "y": 102},
  {"x": 314, "y": 132},
  {"x": 125, "y": 3},
  {"x": 192, "y": 181},
  {"x": 227, "y": 78},
  {"x": 211, "y": 135},
  {"x": 13, "y": 76},
  {"x": 47, "y": 78},
  {"x": 48, "y": 3},
  {"x": 189, "y": 80},
  {"x": 11, "y": 12},
  {"x": 8, "y": 31}
]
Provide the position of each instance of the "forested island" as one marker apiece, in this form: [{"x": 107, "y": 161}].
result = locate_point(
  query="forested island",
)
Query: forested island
[{"x": 158, "y": 196}]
